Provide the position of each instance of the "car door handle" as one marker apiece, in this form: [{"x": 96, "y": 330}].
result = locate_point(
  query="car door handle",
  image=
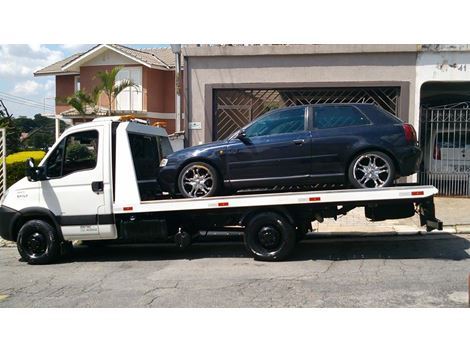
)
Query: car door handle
[
  {"x": 97, "y": 186},
  {"x": 299, "y": 141}
]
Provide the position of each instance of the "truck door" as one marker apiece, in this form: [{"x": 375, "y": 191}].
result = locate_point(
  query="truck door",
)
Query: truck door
[{"x": 74, "y": 190}]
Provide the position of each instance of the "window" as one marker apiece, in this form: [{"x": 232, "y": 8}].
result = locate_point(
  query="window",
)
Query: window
[
  {"x": 145, "y": 154},
  {"x": 131, "y": 98},
  {"x": 165, "y": 147},
  {"x": 76, "y": 152},
  {"x": 338, "y": 116},
  {"x": 76, "y": 82},
  {"x": 278, "y": 122}
]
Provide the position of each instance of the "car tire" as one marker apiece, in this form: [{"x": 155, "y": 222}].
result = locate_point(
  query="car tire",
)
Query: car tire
[
  {"x": 205, "y": 177},
  {"x": 371, "y": 169},
  {"x": 269, "y": 237},
  {"x": 38, "y": 242}
]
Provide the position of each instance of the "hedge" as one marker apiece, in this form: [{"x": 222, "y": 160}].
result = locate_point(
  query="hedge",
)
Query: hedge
[{"x": 16, "y": 164}]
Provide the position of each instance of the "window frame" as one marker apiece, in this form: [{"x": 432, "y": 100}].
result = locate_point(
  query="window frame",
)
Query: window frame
[
  {"x": 64, "y": 140},
  {"x": 313, "y": 119},
  {"x": 269, "y": 113}
]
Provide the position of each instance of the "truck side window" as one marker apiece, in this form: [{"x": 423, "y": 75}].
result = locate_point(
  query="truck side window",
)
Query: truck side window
[
  {"x": 54, "y": 162},
  {"x": 76, "y": 152},
  {"x": 81, "y": 151}
]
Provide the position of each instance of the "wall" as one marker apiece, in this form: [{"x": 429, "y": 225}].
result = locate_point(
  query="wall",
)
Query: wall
[
  {"x": 347, "y": 69},
  {"x": 160, "y": 95},
  {"x": 64, "y": 87}
]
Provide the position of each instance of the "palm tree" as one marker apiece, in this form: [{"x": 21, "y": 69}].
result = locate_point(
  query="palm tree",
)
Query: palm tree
[
  {"x": 80, "y": 100},
  {"x": 110, "y": 88}
]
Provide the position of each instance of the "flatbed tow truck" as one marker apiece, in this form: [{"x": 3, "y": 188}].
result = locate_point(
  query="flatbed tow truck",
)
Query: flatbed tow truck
[{"x": 99, "y": 183}]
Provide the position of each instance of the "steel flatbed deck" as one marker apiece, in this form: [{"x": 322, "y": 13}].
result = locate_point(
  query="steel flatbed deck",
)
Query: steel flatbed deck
[{"x": 342, "y": 196}]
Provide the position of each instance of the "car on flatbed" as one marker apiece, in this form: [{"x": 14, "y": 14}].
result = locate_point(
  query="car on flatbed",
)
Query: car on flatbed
[
  {"x": 98, "y": 183},
  {"x": 361, "y": 145}
]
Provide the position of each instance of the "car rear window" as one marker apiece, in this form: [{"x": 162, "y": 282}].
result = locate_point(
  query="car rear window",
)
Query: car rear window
[
  {"x": 338, "y": 116},
  {"x": 378, "y": 115},
  {"x": 460, "y": 139}
]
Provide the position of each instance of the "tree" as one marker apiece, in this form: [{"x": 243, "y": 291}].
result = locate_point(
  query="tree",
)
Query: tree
[
  {"x": 12, "y": 134},
  {"x": 109, "y": 86},
  {"x": 80, "y": 100}
]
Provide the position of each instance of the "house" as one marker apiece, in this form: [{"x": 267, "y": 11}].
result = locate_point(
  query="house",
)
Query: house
[
  {"x": 152, "y": 70},
  {"x": 426, "y": 85}
]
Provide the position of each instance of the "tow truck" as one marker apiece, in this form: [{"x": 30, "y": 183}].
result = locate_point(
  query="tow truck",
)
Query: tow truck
[{"x": 99, "y": 182}]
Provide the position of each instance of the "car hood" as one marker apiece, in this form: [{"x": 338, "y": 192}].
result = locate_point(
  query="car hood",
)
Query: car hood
[{"x": 203, "y": 149}]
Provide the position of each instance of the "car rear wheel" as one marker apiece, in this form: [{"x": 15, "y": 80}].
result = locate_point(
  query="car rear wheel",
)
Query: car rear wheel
[
  {"x": 371, "y": 169},
  {"x": 198, "y": 180}
]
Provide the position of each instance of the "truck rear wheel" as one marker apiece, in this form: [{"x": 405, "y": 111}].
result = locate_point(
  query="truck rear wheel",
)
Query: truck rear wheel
[
  {"x": 270, "y": 237},
  {"x": 38, "y": 242}
]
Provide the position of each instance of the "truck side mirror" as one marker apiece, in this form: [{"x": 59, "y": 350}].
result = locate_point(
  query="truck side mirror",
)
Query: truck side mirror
[
  {"x": 34, "y": 173},
  {"x": 30, "y": 171}
]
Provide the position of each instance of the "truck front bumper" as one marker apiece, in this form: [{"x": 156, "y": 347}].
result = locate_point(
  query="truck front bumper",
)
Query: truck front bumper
[{"x": 7, "y": 216}]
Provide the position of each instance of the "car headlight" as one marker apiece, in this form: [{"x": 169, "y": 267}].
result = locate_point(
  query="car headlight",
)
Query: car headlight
[{"x": 163, "y": 162}]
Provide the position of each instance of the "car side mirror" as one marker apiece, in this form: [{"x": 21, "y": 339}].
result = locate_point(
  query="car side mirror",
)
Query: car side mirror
[
  {"x": 241, "y": 135},
  {"x": 34, "y": 173}
]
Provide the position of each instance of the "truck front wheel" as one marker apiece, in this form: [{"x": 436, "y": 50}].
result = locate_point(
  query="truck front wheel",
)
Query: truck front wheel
[
  {"x": 270, "y": 237},
  {"x": 38, "y": 242}
]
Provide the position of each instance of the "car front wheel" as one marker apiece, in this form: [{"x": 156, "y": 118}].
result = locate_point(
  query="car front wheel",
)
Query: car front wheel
[
  {"x": 198, "y": 180},
  {"x": 371, "y": 169}
]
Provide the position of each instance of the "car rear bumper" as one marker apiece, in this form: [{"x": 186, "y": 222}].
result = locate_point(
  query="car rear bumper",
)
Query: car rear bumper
[
  {"x": 410, "y": 160},
  {"x": 7, "y": 216}
]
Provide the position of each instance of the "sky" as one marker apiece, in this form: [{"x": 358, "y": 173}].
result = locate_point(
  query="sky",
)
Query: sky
[{"x": 21, "y": 92}]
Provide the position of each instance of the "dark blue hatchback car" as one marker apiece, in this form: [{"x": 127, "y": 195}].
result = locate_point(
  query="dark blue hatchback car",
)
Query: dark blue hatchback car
[{"x": 358, "y": 144}]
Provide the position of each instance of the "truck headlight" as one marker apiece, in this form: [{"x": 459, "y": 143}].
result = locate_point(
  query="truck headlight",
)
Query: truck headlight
[{"x": 163, "y": 162}]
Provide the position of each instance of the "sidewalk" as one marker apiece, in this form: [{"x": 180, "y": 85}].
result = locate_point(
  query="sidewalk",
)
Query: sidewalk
[{"x": 454, "y": 213}]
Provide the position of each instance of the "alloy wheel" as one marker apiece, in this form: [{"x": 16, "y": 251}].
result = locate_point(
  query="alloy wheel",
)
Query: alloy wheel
[
  {"x": 372, "y": 171},
  {"x": 197, "y": 181}
]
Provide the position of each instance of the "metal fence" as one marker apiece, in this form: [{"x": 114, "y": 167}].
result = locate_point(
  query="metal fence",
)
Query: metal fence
[
  {"x": 3, "y": 169},
  {"x": 445, "y": 141},
  {"x": 234, "y": 108}
]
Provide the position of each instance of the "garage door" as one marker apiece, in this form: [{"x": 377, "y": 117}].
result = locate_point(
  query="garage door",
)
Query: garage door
[{"x": 234, "y": 108}]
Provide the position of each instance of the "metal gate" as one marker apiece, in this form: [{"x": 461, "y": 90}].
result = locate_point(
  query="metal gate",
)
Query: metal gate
[
  {"x": 3, "y": 169},
  {"x": 234, "y": 108},
  {"x": 445, "y": 141}
]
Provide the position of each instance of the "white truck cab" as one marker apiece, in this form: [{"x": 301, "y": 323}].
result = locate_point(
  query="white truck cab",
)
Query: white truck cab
[{"x": 99, "y": 181}]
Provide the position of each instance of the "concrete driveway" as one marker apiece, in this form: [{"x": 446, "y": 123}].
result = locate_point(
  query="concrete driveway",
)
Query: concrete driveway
[{"x": 379, "y": 271}]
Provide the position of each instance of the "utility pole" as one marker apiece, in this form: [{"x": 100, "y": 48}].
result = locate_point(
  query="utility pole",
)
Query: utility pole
[{"x": 176, "y": 48}]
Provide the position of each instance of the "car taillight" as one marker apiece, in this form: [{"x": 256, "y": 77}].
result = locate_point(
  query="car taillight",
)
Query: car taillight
[
  {"x": 436, "y": 155},
  {"x": 410, "y": 133}
]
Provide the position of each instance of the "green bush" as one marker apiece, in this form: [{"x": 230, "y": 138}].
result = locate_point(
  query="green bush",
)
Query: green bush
[{"x": 16, "y": 171}]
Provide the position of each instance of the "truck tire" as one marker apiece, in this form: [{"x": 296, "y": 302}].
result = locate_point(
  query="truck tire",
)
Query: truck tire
[
  {"x": 198, "y": 180},
  {"x": 269, "y": 237},
  {"x": 38, "y": 242}
]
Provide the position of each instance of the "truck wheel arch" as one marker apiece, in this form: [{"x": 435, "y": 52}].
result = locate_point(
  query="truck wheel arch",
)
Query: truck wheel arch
[{"x": 34, "y": 213}]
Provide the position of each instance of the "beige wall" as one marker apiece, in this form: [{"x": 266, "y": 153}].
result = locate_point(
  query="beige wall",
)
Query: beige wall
[{"x": 346, "y": 69}]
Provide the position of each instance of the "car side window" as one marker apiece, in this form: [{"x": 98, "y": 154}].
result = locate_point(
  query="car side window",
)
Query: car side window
[
  {"x": 338, "y": 116},
  {"x": 278, "y": 122},
  {"x": 76, "y": 152}
]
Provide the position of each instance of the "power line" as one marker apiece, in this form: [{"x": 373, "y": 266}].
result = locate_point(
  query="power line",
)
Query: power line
[
  {"x": 25, "y": 103},
  {"x": 29, "y": 104},
  {"x": 25, "y": 99}
]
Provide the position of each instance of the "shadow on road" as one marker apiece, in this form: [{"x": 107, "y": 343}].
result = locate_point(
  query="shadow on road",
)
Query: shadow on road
[{"x": 442, "y": 246}]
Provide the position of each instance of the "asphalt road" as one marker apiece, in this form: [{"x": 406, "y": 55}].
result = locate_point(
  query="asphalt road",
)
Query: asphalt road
[{"x": 385, "y": 271}]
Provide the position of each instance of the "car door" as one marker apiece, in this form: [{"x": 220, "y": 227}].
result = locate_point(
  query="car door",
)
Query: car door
[
  {"x": 337, "y": 129},
  {"x": 275, "y": 150},
  {"x": 73, "y": 190}
]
